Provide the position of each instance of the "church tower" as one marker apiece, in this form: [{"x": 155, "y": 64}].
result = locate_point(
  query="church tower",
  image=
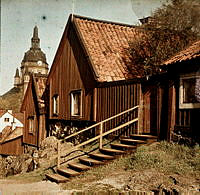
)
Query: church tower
[
  {"x": 17, "y": 78},
  {"x": 34, "y": 62}
]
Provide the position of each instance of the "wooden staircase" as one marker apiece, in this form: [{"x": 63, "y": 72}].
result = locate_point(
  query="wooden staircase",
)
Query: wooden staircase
[{"x": 100, "y": 157}]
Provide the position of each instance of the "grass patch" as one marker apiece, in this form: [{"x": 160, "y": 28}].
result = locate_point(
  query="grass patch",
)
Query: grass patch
[
  {"x": 166, "y": 157},
  {"x": 151, "y": 164}
]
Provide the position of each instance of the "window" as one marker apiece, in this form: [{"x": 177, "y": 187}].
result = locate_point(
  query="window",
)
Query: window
[
  {"x": 189, "y": 91},
  {"x": 6, "y": 120},
  {"x": 55, "y": 104},
  {"x": 76, "y": 101},
  {"x": 31, "y": 124}
]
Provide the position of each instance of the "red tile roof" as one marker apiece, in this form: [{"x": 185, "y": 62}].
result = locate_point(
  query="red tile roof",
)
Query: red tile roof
[
  {"x": 19, "y": 116},
  {"x": 107, "y": 44},
  {"x": 191, "y": 52},
  {"x": 2, "y": 112},
  {"x": 17, "y": 132},
  {"x": 40, "y": 83},
  {"x": 5, "y": 133}
]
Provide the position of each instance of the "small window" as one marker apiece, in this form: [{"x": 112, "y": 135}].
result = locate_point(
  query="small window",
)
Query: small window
[
  {"x": 76, "y": 103},
  {"x": 31, "y": 124},
  {"x": 189, "y": 92},
  {"x": 6, "y": 120},
  {"x": 55, "y": 104}
]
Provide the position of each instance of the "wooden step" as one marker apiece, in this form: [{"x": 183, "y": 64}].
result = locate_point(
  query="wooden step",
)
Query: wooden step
[
  {"x": 132, "y": 141},
  {"x": 90, "y": 161},
  {"x": 56, "y": 178},
  {"x": 68, "y": 172},
  {"x": 143, "y": 137},
  {"x": 79, "y": 166},
  {"x": 123, "y": 146},
  {"x": 100, "y": 156},
  {"x": 111, "y": 151}
]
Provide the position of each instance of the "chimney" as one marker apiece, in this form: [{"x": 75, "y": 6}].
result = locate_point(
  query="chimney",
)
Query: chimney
[{"x": 10, "y": 111}]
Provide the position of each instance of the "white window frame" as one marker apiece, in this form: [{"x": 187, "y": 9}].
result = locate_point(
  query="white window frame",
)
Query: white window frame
[
  {"x": 182, "y": 104},
  {"x": 72, "y": 96},
  {"x": 55, "y": 104}
]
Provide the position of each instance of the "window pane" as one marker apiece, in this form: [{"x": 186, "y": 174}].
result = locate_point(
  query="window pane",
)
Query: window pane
[
  {"x": 191, "y": 90},
  {"x": 6, "y": 119},
  {"x": 55, "y": 104},
  {"x": 31, "y": 124},
  {"x": 197, "y": 89},
  {"x": 76, "y": 103}
]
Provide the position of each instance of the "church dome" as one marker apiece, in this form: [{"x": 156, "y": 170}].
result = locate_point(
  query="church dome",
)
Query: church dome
[{"x": 34, "y": 55}]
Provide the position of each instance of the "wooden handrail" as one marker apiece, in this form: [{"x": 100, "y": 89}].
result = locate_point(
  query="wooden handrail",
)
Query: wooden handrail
[
  {"x": 95, "y": 138},
  {"x": 97, "y": 124},
  {"x": 106, "y": 133},
  {"x": 101, "y": 135}
]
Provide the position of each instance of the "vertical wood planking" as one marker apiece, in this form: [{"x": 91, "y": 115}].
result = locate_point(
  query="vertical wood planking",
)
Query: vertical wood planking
[
  {"x": 115, "y": 99},
  {"x": 71, "y": 73}
]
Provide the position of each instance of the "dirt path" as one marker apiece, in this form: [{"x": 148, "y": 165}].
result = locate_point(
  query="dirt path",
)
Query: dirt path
[{"x": 14, "y": 187}]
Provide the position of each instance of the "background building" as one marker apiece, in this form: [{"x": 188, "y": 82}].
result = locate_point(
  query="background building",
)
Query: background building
[{"x": 34, "y": 62}]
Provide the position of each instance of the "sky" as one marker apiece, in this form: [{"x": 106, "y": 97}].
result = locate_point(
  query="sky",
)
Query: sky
[{"x": 18, "y": 18}]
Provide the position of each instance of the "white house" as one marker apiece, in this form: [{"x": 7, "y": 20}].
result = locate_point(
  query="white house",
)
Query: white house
[{"x": 7, "y": 118}]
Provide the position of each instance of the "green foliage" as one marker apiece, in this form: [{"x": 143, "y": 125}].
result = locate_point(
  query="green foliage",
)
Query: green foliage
[
  {"x": 12, "y": 100},
  {"x": 171, "y": 29},
  {"x": 167, "y": 158},
  {"x": 178, "y": 15}
]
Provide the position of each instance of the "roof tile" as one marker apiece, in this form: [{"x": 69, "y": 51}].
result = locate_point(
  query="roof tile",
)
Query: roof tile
[
  {"x": 40, "y": 83},
  {"x": 191, "y": 52},
  {"x": 107, "y": 45}
]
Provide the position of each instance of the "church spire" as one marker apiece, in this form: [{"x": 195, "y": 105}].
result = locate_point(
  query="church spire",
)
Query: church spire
[
  {"x": 16, "y": 78},
  {"x": 17, "y": 73},
  {"x": 35, "y": 41}
]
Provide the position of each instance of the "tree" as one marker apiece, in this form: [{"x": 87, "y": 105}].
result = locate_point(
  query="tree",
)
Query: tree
[
  {"x": 170, "y": 29},
  {"x": 178, "y": 15}
]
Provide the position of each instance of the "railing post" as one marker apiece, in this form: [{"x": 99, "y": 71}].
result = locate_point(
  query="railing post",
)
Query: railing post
[
  {"x": 140, "y": 113},
  {"x": 101, "y": 138},
  {"x": 58, "y": 150}
]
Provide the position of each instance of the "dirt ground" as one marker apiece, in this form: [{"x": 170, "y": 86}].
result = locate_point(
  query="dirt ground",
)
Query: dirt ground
[
  {"x": 14, "y": 187},
  {"x": 120, "y": 181},
  {"x": 160, "y": 167}
]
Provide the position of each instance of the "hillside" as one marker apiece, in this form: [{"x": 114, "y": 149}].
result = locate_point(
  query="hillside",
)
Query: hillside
[
  {"x": 162, "y": 166},
  {"x": 12, "y": 99}
]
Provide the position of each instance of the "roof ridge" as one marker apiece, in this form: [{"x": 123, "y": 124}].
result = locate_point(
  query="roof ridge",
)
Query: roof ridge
[{"x": 103, "y": 21}]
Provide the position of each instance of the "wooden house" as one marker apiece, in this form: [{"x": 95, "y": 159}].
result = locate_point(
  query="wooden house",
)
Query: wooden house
[
  {"x": 11, "y": 133},
  {"x": 11, "y": 142},
  {"x": 10, "y": 118},
  {"x": 89, "y": 80},
  {"x": 183, "y": 95},
  {"x": 33, "y": 109}
]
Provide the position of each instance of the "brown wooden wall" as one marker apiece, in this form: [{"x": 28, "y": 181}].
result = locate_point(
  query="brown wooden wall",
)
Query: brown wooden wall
[
  {"x": 66, "y": 77},
  {"x": 12, "y": 147},
  {"x": 29, "y": 102},
  {"x": 114, "y": 99},
  {"x": 151, "y": 106},
  {"x": 170, "y": 116},
  {"x": 42, "y": 129}
]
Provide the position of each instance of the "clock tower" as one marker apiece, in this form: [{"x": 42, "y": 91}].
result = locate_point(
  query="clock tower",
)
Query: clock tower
[{"x": 34, "y": 62}]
